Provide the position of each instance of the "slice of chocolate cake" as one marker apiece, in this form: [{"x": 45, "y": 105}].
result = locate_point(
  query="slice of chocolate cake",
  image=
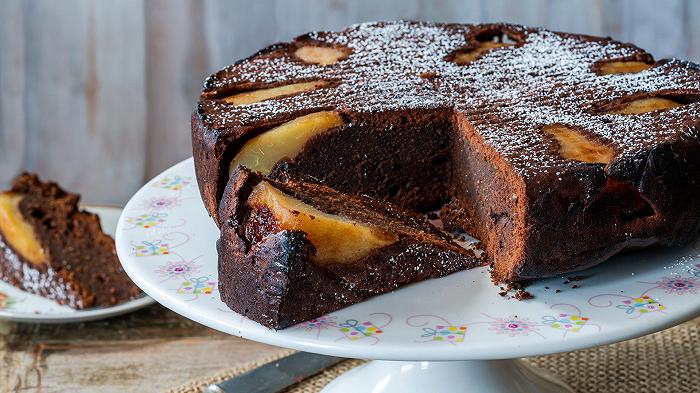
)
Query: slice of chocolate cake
[
  {"x": 291, "y": 251},
  {"x": 48, "y": 246},
  {"x": 556, "y": 150}
]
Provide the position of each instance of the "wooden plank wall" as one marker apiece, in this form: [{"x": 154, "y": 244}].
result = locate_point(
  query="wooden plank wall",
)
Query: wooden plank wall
[{"x": 97, "y": 94}]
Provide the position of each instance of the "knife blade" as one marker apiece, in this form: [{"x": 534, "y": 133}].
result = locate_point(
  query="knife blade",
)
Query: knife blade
[{"x": 276, "y": 376}]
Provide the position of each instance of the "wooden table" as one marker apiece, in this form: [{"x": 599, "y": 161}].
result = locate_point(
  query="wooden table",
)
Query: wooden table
[
  {"x": 148, "y": 351},
  {"x": 151, "y": 350}
]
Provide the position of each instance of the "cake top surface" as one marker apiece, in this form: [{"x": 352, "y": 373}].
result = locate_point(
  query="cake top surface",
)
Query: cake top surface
[{"x": 508, "y": 94}]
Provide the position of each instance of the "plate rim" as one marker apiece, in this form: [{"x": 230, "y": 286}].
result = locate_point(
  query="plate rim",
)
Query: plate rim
[{"x": 84, "y": 315}]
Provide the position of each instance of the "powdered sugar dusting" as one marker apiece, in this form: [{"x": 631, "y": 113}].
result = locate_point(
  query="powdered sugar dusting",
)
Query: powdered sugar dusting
[{"x": 507, "y": 94}]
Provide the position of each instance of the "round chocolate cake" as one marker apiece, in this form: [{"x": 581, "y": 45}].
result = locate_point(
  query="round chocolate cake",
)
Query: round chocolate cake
[{"x": 555, "y": 150}]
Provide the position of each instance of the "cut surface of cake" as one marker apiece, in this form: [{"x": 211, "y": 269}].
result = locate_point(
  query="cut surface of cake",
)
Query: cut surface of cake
[
  {"x": 49, "y": 247},
  {"x": 291, "y": 251},
  {"x": 555, "y": 150}
]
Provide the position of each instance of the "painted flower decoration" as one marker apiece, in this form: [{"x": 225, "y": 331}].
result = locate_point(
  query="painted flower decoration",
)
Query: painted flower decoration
[
  {"x": 149, "y": 220},
  {"x": 567, "y": 322},
  {"x": 513, "y": 326},
  {"x": 320, "y": 322},
  {"x": 197, "y": 286},
  {"x": 173, "y": 269},
  {"x": 317, "y": 324},
  {"x": 679, "y": 285},
  {"x": 156, "y": 247},
  {"x": 642, "y": 305},
  {"x": 175, "y": 183},
  {"x": 354, "y": 329},
  {"x": 161, "y": 203},
  {"x": 451, "y": 334}
]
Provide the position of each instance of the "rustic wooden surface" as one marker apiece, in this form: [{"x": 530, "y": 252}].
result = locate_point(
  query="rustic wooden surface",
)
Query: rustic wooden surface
[
  {"x": 151, "y": 350},
  {"x": 98, "y": 94}
]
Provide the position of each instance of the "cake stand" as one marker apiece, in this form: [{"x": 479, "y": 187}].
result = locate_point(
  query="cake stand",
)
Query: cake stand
[{"x": 453, "y": 333}]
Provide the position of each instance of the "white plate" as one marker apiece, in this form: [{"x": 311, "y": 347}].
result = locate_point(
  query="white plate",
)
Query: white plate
[
  {"x": 17, "y": 305},
  {"x": 166, "y": 242}
]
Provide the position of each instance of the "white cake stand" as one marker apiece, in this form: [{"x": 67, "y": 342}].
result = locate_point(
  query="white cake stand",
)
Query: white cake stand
[{"x": 453, "y": 333}]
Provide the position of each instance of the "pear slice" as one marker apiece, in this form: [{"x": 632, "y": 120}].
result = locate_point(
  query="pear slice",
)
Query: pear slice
[
  {"x": 573, "y": 145},
  {"x": 251, "y": 97},
  {"x": 321, "y": 55},
  {"x": 484, "y": 46},
  {"x": 262, "y": 152},
  {"x": 337, "y": 239},
  {"x": 17, "y": 232},
  {"x": 644, "y": 105},
  {"x": 622, "y": 67}
]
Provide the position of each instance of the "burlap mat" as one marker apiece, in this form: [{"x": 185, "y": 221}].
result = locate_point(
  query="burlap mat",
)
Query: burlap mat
[{"x": 667, "y": 361}]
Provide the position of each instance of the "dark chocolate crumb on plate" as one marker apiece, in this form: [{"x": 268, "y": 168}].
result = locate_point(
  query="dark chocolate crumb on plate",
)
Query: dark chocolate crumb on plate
[{"x": 522, "y": 294}]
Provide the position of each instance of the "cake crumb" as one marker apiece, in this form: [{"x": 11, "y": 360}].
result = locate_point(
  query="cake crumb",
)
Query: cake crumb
[
  {"x": 428, "y": 75},
  {"x": 518, "y": 288},
  {"x": 514, "y": 286},
  {"x": 522, "y": 294}
]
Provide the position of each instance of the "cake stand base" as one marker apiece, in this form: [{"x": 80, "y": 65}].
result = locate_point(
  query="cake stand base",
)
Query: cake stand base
[{"x": 482, "y": 376}]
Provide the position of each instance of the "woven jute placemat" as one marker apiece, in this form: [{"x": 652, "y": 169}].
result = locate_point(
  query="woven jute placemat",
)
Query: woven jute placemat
[{"x": 663, "y": 362}]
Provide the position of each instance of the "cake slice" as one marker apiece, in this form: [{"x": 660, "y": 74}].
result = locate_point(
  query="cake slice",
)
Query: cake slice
[
  {"x": 49, "y": 247},
  {"x": 291, "y": 251}
]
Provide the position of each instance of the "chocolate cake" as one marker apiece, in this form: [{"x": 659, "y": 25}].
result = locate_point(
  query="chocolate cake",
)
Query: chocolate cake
[
  {"x": 556, "y": 150},
  {"x": 281, "y": 241},
  {"x": 48, "y": 246}
]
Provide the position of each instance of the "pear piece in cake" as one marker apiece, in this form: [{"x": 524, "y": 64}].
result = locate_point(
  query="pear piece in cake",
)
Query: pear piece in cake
[{"x": 262, "y": 152}]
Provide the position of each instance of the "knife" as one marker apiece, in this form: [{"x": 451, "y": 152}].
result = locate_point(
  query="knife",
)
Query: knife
[{"x": 276, "y": 376}]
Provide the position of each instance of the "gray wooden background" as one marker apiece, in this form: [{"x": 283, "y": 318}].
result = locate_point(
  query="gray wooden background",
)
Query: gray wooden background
[{"x": 97, "y": 94}]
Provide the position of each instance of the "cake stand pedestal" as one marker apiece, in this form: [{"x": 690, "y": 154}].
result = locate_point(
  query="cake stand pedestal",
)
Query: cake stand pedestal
[
  {"x": 447, "y": 334},
  {"x": 477, "y": 376}
]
